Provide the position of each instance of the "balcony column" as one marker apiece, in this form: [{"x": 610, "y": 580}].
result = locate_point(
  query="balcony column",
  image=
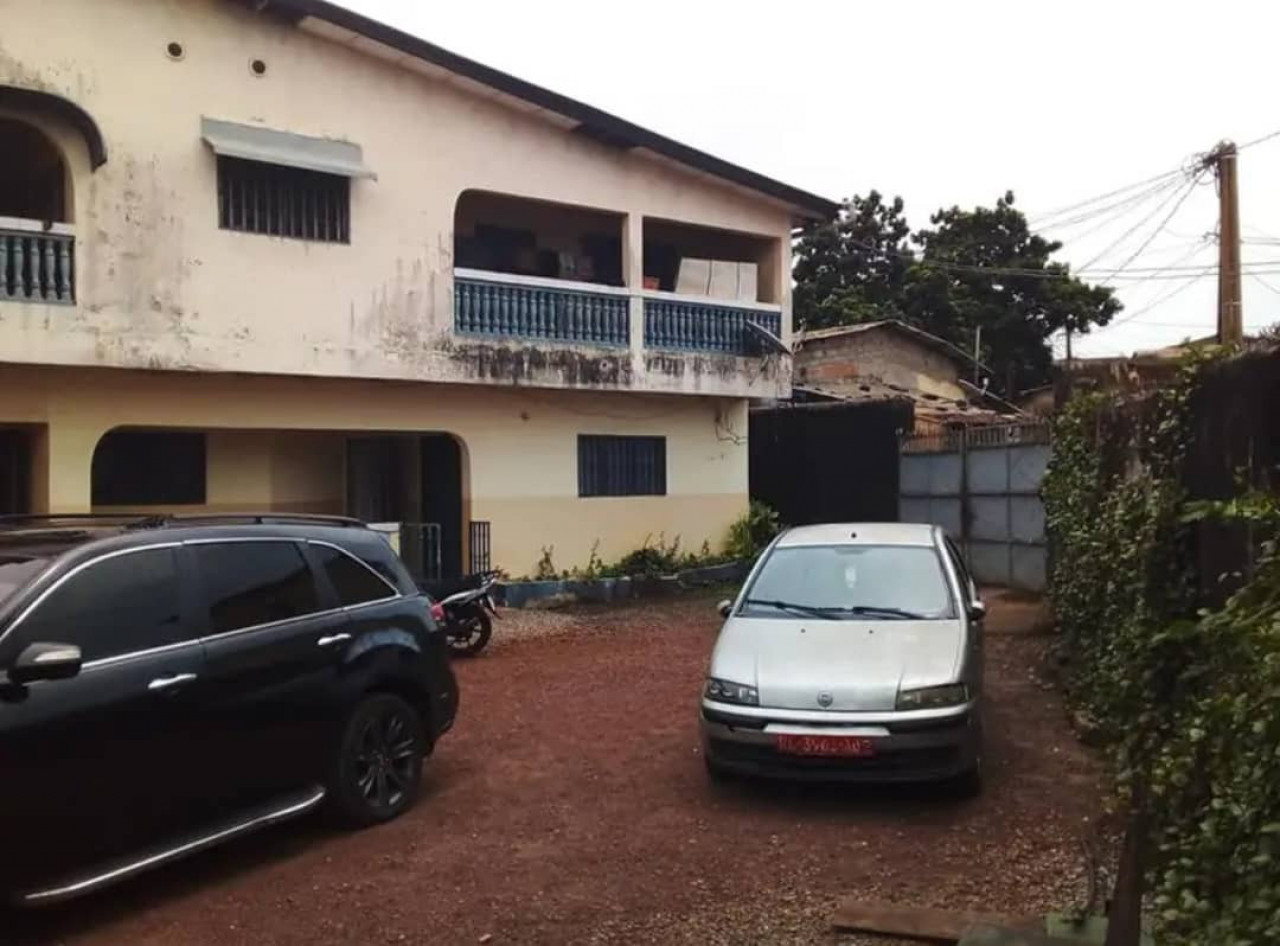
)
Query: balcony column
[
  {"x": 775, "y": 280},
  {"x": 633, "y": 276}
]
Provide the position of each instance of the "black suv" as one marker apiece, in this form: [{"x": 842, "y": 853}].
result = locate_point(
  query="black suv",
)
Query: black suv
[{"x": 167, "y": 684}]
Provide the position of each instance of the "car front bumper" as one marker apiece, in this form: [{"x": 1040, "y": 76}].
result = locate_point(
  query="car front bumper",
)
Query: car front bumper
[{"x": 908, "y": 747}]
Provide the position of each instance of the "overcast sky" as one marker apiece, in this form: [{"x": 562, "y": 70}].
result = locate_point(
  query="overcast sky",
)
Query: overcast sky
[{"x": 940, "y": 102}]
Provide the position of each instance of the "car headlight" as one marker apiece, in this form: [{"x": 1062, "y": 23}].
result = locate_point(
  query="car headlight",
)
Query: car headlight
[
  {"x": 953, "y": 694},
  {"x": 723, "y": 691}
]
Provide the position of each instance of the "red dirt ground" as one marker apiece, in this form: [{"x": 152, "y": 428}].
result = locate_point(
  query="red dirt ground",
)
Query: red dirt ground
[{"x": 569, "y": 805}]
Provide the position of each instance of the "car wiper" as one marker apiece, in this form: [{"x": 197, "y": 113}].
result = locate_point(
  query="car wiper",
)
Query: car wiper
[
  {"x": 809, "y": 609},
  {"x": 890, "y": 612}
]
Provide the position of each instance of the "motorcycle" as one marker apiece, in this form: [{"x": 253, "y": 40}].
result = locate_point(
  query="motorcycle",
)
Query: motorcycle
[{"x": 466, "y": 613}]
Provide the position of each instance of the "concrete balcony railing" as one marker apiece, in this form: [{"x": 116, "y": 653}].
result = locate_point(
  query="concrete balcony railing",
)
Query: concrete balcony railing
[
  {"x": 37, "y": 263},
  {"x": 678, "y": 323},
  {"x": 535, "y": 309}
]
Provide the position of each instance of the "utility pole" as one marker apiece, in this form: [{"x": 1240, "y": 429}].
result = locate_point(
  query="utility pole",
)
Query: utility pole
[
  {"x": 1230, "y": 301},
  {"x": 977, "y": 356}
]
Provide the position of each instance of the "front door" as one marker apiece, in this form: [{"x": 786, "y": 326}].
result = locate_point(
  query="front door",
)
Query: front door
[{"x": 93, "y": 767}]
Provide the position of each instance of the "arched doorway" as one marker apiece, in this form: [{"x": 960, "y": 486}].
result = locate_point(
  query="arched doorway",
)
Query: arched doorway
[{"x": 33, "y": 176}]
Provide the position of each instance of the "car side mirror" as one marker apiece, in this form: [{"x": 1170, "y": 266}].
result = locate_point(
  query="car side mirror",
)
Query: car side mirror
[
  {"x": 46, "y": 662},
  {"x": 725, "y": 608},
  {"x": 977, "y": 610}
]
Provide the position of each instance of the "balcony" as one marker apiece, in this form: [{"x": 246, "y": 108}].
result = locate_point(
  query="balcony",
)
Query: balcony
[
  {"x": 567, "y": 295},
  {"x": 533, "y": 309},
  {"x": 677, "y": 323},
  {"x": 37, "y": 262}
]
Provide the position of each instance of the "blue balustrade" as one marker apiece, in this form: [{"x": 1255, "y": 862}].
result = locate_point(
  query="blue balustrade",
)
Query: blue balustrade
[
  {"x": 538, "y": 312},
  {"x": 685, "y": 325}
]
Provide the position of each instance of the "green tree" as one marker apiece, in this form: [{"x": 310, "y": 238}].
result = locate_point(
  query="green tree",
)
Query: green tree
[
  {"x": 985, "y": 269},
  {"x": 969, "y": 270},
  {"x": 853, "y": 268}
]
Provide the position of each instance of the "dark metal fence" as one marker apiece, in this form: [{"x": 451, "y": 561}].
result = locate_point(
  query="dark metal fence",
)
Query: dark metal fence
[
  {"x": 481, "y": 547},
  {"x": 484, "y": 307},
  {"x": 704, "y": 326}
]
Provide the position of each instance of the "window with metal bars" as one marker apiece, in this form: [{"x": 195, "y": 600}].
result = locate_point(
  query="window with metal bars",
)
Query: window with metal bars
[
  {"x": 622, "y": 466},
  {"x": 254, "y": 197}
]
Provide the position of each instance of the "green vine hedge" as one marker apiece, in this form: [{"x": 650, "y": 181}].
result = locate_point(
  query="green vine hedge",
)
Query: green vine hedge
[{"x": 1189, "y": 698}]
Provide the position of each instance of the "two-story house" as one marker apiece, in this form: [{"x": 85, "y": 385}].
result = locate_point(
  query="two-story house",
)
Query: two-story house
[{"x": 270, "y": 254}]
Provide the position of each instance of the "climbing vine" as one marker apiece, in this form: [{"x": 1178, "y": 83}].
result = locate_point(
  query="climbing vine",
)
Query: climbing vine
[{"x": 1189, "y": 699}]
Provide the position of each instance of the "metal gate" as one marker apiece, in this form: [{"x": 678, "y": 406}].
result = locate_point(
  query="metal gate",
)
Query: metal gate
[{"x": 982, "y": 485}]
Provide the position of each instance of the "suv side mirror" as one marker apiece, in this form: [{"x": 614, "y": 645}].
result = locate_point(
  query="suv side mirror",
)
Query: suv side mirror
[
  {"x": 46, "y": 662},
  {"x": 977, "y": 610},
  {"x": 725, "y": 608}
]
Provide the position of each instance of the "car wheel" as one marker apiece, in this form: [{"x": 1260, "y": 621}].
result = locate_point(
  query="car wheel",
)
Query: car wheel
[
  {"x": 968, "y": 784},
  {"x": 376, "y": 768}
]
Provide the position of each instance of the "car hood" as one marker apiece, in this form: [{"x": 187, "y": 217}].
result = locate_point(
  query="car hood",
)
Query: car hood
[{"x": 861, "y": 665}]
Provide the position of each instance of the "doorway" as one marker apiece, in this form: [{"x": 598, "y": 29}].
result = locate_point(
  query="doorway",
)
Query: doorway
[
  {"x": 15, "y": 471},
  {"x": 414, "y": 480}
]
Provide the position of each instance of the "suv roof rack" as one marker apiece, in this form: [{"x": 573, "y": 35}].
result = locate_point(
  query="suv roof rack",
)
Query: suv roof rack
[
  {"x": 258, "y": 518},
  {"x": 161, "y": 520}
]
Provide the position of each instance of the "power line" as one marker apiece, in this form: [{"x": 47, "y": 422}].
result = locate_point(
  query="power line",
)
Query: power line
[
  {"x": 1268, "y": 267},
  {"x": 1179, "y": 196},
  {"x": 1120, "y": 206},
  {"x": 1259, "y": 279},
  {"x": 1163, "y": 223},
  {"x": 1177, "y": 290},
  {"x": 1042, "y": 218},
  {"x": 1258, "y": 141}
]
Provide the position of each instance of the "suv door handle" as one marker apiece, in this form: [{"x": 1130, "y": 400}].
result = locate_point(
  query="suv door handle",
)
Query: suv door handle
[
  {"x": 333, "y": 639},
  {"x": 160, "y": 684}
]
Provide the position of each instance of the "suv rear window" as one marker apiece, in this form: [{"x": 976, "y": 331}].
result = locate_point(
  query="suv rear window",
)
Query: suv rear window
[
  {"x": 355, "y": 582},
  {"x": 253, "y": 583}
]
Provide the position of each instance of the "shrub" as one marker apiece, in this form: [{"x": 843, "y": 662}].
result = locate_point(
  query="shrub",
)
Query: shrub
[
  {"x": 749, "y": 534},
  {"x": 545, "y": 570}
]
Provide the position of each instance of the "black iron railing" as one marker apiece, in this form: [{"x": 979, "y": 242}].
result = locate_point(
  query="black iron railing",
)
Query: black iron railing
[{"x": 481, "y": 547}]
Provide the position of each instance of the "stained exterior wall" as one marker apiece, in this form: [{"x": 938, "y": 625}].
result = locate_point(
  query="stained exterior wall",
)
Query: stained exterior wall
[
  {"x": 160, "y": 286},
  {"x": 840, "y": 361},
  {"x": 277, "y": 443}
]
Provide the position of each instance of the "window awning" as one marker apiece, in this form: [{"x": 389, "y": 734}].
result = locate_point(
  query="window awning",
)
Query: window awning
[{"x": 285, "y": 148}]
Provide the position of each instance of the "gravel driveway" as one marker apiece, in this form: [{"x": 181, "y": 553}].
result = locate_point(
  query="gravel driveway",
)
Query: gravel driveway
[{"x": 569, "y": 805}]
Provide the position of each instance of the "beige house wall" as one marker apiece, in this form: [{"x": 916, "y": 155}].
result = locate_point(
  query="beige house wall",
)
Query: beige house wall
[
  {"x": 279, "y": 443},
  {"x": 160, "y": 286}
]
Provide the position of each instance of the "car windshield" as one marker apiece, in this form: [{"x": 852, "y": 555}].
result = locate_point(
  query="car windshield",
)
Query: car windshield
[
  {"x": 843, "y": 581},
  {"x": 14, "y": 573}
]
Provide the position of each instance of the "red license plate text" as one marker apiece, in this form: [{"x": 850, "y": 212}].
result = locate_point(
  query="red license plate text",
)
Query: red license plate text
[{"x": 857, "y": 747}]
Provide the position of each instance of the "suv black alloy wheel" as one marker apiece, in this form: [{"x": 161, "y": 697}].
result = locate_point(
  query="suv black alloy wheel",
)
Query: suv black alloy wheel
[{"x": 378, "y": 764}]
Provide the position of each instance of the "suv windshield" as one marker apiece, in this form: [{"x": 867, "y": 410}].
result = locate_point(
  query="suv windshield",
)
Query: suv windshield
[{"x": 843, "y": 581}]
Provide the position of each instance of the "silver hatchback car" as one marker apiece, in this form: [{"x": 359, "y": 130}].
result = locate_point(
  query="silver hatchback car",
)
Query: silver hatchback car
[{"x": 854, "y": 651}]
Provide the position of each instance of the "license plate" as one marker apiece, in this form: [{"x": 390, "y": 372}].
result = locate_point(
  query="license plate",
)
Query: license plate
[{"x": 857, "y": 747}]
